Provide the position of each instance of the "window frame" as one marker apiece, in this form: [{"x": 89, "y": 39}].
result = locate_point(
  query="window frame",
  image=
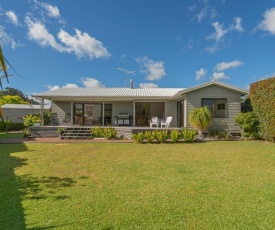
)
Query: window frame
[{"x": 215, "y": 106}]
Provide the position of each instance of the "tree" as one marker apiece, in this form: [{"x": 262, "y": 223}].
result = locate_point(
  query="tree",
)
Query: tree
[
  {"x": 13, "y": 92},
  {"x": 200, "y": 118},
  {"x": 3, "y": 67}
]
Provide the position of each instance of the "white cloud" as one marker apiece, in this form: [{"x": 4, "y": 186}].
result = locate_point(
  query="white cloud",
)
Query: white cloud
[
  {"x": 82, "y": 44},
  {"x": 228, "y": 65},
  {"x": 70, "y": 86},
  {"x": 238, "y": 24},
  {"x": 148, "y": 85},
  {"x": 202, "y": 14},
  {"x": 39, "y": 33},
  {"x": 218, "y": 76},
  {"x": 12, "y": 17},
  {"x": 52, "y": 11},
  {"x": 6, "y": 39},
  {"x": 219, "y": 31},
  {"x": 200, "y": 74},
  {"x": 153, "y": 69},
  {"x": 268, "y": 24},
  {"x": 91, "y": 82},
  {"x": 52, "y": 87}
]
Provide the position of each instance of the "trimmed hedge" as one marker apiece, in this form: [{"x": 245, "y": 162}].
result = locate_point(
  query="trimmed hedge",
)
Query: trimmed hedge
[
  {"x": 10, "y": 126},
  {"x": 262, "y": 94}
]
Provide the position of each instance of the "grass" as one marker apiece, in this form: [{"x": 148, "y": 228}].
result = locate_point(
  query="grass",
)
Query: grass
[
  {"x": 4, "y": 135},
  {"x": 217, "y": 185}
]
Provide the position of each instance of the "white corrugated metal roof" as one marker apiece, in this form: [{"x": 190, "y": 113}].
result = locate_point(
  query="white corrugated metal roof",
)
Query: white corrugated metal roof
[
  {"x": 110, "y": 92},
  {"x": 23, "y": 106}
]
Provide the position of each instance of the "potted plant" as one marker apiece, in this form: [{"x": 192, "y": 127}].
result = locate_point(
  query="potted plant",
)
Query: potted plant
[{"x": 60, "y": 131}]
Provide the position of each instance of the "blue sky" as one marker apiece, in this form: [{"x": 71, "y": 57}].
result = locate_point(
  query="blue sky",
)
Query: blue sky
[{"x": 104, "y": 43}]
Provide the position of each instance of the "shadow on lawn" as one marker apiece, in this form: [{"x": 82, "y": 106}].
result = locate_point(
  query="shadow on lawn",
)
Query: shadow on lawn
[{"x": 14, "y": 189}]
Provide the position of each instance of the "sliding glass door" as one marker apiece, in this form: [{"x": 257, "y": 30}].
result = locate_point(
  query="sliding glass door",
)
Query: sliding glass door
[
  {"x": 90, "y": 114},
  {"x": 146, "y": 110}
]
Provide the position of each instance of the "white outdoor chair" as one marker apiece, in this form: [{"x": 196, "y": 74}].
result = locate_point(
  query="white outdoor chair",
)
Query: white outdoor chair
[
  {"x": 154, "y": 121},
  {"x": 166, "y": 123}
]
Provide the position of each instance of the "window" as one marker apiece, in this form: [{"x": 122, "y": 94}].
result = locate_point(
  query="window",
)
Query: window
[{"x": 216, "y": 106}]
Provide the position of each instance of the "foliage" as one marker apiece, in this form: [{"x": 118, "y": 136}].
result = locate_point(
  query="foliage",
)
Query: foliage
[
  {"x": 27, "y": 132},
  {"x": 200, "y": 118},
  {"x": 109, "y": 133},
  {"x": 150, "y": 136},
  {"x": 30, "y": 119},
  {"x": 262, "y": 94},
  {"x": 8, "y": 99},
  {"x": 97, "y": 132},
  {"x": 246, "y": 105},
  {"x": 219, "y": 130},
  {"x": 175, "y": 136},
  {"x": 11, "y": 126},
  {"x": 162, "y": 135},
  {"x": 13, "y": 92},
  {"x": 189, "y": 135},
  {"x": 46, "y": 117},
  {"x": 249, "y": 124},
  {"x": 138, "y": 137},
  {"x": 3, "y": 66},
  {"x": 60, "y": 130}
]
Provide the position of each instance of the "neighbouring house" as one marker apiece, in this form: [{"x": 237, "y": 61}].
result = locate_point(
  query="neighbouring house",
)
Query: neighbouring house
[
  {"x": 135, "y": 106},
  {"x": 16, "y": 112}
]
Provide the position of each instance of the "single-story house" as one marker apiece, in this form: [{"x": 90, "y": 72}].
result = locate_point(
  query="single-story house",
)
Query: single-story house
[
  {"x": 16, "y": 112},
  {"x": 135, "y": 106}
]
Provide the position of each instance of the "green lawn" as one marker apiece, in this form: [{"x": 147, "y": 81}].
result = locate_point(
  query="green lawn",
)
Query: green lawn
[{"x": 214, "y": 185}]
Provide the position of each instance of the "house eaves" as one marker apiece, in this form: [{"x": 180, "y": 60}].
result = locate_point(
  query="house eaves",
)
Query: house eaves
[{"x": 217, "y": 83}]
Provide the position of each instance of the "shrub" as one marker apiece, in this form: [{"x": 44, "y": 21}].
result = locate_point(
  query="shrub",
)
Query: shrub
[
  {"x": 175, "y": 136},
  {"x": 200, "y": 118},
  {"x": 30, "y": 119},
  {"x": 47, "y": 118},
  {"x": 150, "y": 136},
  {"x": 60, "y": 130},
  {"x": 262, "y": 95},
  {"x": 189, "y": 135},
  {"x": 249, "y": 124},
  {"x": 162, "y": 135},
  {"x": 138, "y": 137},
  {"x": 109, "y": 133},
  {"x": 219, "y": 130},
  {"x": 10, "y": 126},
  {"x": 27, "y": 132},
  {"x": 97, "y": 132}
]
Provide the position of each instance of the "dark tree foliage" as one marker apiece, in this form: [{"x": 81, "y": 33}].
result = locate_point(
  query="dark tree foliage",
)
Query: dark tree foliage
[
  {"x": 17, "y": 92},
  {"x": 246, "y": 105}
]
